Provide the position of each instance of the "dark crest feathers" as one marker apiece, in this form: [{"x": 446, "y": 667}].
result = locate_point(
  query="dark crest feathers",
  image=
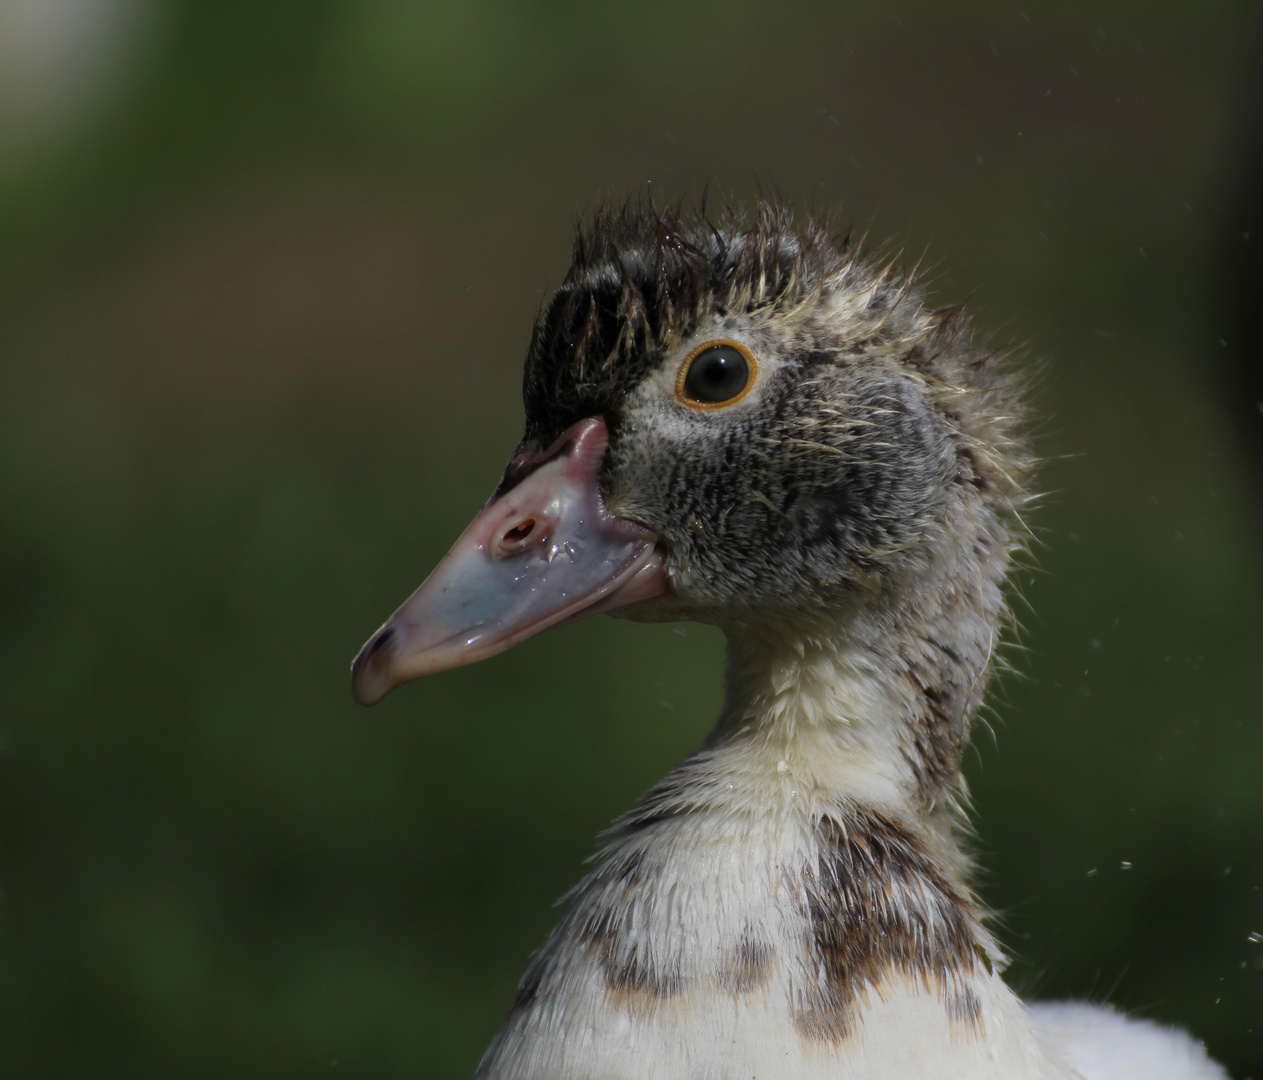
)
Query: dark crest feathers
[{"x": 643, "y": 279}]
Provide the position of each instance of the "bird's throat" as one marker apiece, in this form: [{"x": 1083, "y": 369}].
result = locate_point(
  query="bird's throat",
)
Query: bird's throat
[{"x": 865, "y": 711}]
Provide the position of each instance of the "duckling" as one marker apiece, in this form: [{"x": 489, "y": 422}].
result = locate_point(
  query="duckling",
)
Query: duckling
[{"x": 755, "y": 426}]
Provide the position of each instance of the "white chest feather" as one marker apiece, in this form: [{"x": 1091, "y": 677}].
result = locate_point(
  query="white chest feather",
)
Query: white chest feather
[{"x": 709, "y": 946}]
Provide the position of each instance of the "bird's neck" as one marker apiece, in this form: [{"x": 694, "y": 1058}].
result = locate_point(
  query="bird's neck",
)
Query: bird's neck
[
  {"x": 869, "y": 708},
  {"x": 791, "y": 899}
]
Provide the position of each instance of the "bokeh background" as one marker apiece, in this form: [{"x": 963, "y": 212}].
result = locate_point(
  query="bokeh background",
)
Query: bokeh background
[{"x": 267, "y": 272}]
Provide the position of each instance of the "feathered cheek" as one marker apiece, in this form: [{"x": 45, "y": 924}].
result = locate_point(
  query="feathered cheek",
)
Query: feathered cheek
[{"x": 702, "y": 554}]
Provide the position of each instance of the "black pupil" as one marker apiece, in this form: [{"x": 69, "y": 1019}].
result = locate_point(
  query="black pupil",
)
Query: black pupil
[{"x": 718, "y": 374}]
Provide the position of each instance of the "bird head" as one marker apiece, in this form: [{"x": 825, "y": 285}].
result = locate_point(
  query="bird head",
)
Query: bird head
[{"x": 734, "y": 423}]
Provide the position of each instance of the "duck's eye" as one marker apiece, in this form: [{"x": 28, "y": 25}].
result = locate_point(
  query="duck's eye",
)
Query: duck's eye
[{"x": 718, "y": 373}]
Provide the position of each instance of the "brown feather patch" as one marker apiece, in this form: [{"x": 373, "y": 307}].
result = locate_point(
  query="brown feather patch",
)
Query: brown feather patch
[
  {"x": 750, "y": 966},
  {"x": 637, "y": 977},
  {"x": 880, "y": 905}
]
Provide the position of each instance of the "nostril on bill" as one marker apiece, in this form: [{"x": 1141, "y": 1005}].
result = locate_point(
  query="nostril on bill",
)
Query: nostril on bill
[{"x": 519, "y": 533}]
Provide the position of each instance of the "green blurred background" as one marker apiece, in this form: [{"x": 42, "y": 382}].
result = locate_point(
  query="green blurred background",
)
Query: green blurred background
[{"x": 267, "y": 272}]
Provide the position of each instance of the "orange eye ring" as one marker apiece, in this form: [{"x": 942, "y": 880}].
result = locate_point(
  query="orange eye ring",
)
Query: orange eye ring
[{"x": 711, "y": 371}]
